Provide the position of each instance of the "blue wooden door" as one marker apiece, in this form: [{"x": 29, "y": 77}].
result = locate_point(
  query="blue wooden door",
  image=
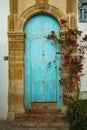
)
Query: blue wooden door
[{"x": 41, "y": 63}]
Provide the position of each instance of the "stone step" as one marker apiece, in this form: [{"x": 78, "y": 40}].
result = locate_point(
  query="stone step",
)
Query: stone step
[
  {"x": 46, "y": 118},
  {"x": 41, "y": 116},
  {"x": 41, "y": 124},
  {"x": 53, "y": 111}
]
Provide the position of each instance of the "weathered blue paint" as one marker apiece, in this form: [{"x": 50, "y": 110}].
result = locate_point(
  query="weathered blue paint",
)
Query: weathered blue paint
[{"x": 41, "y": 63}]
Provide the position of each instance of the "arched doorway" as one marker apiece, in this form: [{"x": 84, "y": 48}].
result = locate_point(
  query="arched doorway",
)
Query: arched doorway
[{"x": 41, "y": 64}]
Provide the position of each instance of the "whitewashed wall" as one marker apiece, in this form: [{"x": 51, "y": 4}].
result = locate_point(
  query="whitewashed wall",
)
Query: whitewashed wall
[
  {"x": 83, "y": 27},
  {"x": 83, "y": 94},
  {"x": 4, "y": 11}
]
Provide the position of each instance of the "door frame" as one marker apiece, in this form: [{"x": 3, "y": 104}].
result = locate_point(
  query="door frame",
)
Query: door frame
[{"x": 16, "y": 39}]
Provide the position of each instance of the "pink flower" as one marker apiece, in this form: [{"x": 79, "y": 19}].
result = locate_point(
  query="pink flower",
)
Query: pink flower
[
  {"x": 66, "y": 57},
  {"x": 78, "y": 78},
  {"x": 73, "y": 42},
  {"x": 81, "y": 69},
  {"x": 63, "y": 64},
  {"x": 78, "y": 61},
  {"x": 72, "y": 68},
  {"x": 48, "y": 37},
  {"x": 85, "y": 38},
  {"x": 63, "y": 21}
]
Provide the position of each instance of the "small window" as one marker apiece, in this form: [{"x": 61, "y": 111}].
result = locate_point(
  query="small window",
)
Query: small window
[
  {"x": 82, "y": 10},
  {"x": 85, "y": 15}
]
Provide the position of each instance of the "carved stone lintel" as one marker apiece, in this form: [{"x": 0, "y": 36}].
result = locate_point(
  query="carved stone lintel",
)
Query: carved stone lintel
[{"x": 42, "y": 3}]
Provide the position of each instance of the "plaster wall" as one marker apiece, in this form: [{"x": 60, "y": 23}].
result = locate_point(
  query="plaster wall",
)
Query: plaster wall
[
  {"x": 60, "y": 5},
  {"x": 4, "y": 11},
  {"x": 25, "y": 4},
  {"x": 83, "y": 27}
]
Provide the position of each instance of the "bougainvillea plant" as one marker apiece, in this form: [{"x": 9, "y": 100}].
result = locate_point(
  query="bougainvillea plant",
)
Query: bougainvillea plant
[{"x": 72, "y": 57}]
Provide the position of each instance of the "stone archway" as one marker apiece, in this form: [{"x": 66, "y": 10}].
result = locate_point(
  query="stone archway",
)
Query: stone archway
[{"x": 16, "y": 37}]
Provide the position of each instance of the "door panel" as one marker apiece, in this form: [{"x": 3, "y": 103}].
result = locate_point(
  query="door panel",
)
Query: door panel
[
  {"x": 36, "y": 50},
  {"x": 49, "y": 50},
  {"x": 42, "y": 71},
  {"x": 37, "y": 91},
  {"x": 41, "y": 63},
  {"x": 50, "y": 71},
  {"x": 51, "y": 91}
]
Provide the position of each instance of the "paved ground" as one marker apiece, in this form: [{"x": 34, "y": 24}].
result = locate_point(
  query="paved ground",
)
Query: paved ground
[{"x": 10, "y": 125}]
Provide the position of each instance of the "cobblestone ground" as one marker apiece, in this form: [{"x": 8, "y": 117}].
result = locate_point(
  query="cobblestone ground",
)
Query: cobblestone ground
[{"x": 10, "y": 125}]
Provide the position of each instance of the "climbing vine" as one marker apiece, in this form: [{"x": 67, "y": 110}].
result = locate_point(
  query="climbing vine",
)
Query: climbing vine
[{"x": 72, "y": 54}]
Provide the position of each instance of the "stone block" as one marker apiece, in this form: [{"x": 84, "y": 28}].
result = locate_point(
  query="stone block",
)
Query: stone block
[{"x": 18, "y": 74}]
